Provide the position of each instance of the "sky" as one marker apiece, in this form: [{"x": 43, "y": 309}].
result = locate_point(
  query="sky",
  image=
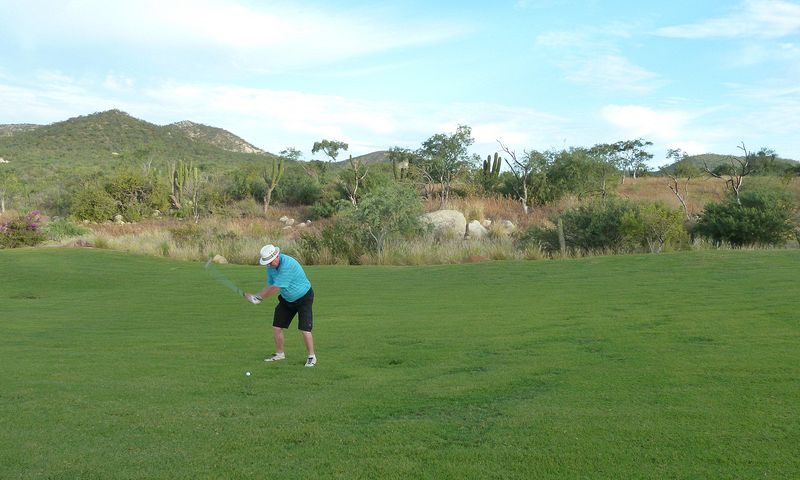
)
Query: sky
[{"x": 705, "y": 76}]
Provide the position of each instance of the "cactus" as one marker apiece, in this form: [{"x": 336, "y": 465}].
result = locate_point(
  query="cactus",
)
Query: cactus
[
  {"x": 272, "y": 178},
  {"x": 491, "y": 166},
  {"x": 179, "y": 174}
]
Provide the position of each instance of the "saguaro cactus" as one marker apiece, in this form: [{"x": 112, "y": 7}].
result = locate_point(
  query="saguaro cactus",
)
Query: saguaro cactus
[
  {"x": 180, "y": 173},
  {"x": 491, "y": 166},
  {"x": 272, "y": 177}
]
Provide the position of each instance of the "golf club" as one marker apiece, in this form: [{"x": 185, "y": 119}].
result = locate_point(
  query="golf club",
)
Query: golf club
[{"x": 221, "y": 278}]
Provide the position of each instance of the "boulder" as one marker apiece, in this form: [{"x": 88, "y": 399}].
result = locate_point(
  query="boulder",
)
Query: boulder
[
  {"x": 505, "y": 227},
  {"x": 445, "y": 223},
  {"x": 219, "y": 259},
  {"x": 476, "y": 230}
]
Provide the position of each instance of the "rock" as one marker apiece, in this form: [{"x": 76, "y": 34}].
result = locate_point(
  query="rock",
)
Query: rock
[
  {"x": 219, "y": 259},
  {"x": 118, "y": 219},
  {"x": 445, "y": 223},
  {"x": 476, "y": 230},
  {"x": 289, "y": 222},
  {"x": 486, "y": 223},
  {"x": 284, "y": 218},
  {"x": 505, "y": 227}
]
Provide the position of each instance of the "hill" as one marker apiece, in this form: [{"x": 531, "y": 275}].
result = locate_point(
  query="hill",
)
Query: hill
[
  {"x": 106, "y": 138},
  {"x": 11, "y": 129},
  {"x": 380, "y": 156},
  {"x": 214, "y": 136},
  {"x": 713, "y": 160}
]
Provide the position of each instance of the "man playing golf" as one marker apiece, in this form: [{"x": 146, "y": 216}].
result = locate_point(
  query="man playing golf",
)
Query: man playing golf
[{"x": 286, "y": 277}]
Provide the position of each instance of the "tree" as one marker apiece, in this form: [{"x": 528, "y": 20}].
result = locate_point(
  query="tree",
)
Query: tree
[
  {"x": 734, "y": 172},
  {"x": 353, "y": 177},
  {"x": 444, "y": 158},
  {"x": 291, "y": 153},
  {"x": 683, "y": 170},
  {"x": 606, "y": 162},
  {"x": 331, "y": 148},
  {"x": 579, "y": 171},
  {"x": 522, "y": 170},
  {"x": 632, "y": 155}
]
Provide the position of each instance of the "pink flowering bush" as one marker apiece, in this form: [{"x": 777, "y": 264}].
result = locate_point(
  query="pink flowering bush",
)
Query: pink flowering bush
[{"x": 22, "y": 231}]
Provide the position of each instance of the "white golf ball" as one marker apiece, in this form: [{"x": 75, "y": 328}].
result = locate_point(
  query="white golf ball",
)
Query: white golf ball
[{"x": 247, "y": 373}]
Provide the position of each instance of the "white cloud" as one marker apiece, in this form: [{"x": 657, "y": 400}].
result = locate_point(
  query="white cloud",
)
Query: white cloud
[
  {"x": 640, "y": 121},
  {"x": 754, "y": 18},
  {"x": 613, "y": 73},
  {"x": 591, "y": 56},
  {"x": 268, "y": 36}
]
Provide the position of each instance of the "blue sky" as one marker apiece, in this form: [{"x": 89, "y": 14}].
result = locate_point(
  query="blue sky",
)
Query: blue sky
[{"x": 703, "y": 76}]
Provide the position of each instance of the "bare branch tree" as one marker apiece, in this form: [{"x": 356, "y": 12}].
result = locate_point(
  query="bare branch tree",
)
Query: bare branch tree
[
  {"x": 353, "y": 178},
  {"x": 680, "y": 173},
  {"x": 734, "y": 176},
  {"x": 522, "y": 171}
]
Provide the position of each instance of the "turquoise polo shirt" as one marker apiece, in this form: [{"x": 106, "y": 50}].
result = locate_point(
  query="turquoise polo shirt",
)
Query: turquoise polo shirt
[{"x": 289, "y": 277}]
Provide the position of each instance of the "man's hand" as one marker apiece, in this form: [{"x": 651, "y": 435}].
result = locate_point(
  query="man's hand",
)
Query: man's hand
[{"x": 254, "y": 299}]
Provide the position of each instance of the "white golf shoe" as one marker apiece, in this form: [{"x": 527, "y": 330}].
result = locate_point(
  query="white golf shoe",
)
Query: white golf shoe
[
  {"x": 275, "y": 357},
  {"x": 311, "y": 361}
]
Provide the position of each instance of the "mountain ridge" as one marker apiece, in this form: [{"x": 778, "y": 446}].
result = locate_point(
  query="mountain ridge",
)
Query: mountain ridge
[{"x": 103, "y": 138}]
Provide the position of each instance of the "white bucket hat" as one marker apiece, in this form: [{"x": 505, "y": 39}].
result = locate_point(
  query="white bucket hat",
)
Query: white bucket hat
[{"x": 268, "y": 254}]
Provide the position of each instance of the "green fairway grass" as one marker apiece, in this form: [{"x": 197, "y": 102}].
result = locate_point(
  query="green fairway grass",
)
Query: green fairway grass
[{"x": 680, "y": 365}]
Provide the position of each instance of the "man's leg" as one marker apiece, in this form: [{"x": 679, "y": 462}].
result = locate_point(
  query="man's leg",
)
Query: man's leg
[
  {"x": 277, "y": 333},
  {"x": 309, "y": 341}
]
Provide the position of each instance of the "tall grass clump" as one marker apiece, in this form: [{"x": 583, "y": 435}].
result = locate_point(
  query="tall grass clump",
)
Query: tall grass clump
[{"x": 62, "y": 229}]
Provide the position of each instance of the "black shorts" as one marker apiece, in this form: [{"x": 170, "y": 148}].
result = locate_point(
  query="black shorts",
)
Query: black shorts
[{"x": 285, "y": 312}]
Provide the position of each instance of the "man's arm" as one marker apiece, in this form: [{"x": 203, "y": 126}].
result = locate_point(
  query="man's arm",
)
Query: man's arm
[{"x": 264, "y": 293}]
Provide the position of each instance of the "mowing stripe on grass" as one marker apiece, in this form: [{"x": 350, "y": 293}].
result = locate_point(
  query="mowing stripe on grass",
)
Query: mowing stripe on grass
[{"x": 661, "y": 366}]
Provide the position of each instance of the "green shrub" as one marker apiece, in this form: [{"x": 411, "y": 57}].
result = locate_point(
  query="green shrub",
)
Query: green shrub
[
  {"x": 334, "y": 243},
  {"x": 187, "y": 234},
  {"x": 536, "y": 236},
  {"x": 22, "y": 231},
  {"x": 610, "y": 225},
  {"x": 296, "y": 188},
  {"x": 598, "y": 226},
  {"x": 94, "y": 204},
  {"x": 137, "y": 194},
  {"x": 654, "y": 226},
  {"x": 389, "y": 212},
  {"x": 328, "y": 208},
  {"x": 762, "y": 216}
]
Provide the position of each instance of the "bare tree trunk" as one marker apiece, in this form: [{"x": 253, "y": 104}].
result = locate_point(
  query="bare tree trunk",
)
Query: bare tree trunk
[
  {"x": 267, "y": 199},
  {"x": 681, "y": 198}
]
